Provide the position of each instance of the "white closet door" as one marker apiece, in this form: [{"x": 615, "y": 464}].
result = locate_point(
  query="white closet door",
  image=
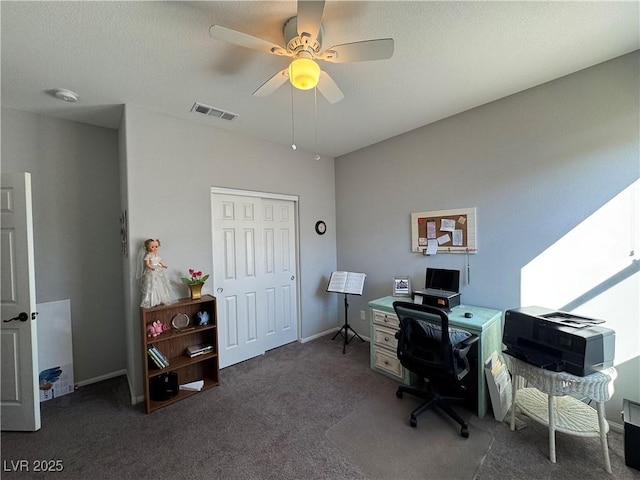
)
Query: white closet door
[
  {"x": 279, "y": 277},
  {"x": 254, "y": 273}
]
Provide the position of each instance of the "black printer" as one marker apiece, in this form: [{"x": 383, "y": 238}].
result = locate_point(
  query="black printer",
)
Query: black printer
[
  {"x": 558, "y": 341},
  {"x": 441, "y": 289},
  {"x": 437, "y": 298}
]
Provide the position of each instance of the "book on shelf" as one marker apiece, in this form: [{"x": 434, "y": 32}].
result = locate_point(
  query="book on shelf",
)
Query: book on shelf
[
  {"x": 155, "y": 359},
  {"x": 193, "y": 386},
  {"x": 163, "y": 359},
  {"x": 195, "y": 350},
  {"x": 346, "y": 282},
  {"x": 153, "y": 363},
  {"x": 162, "y": 356},
  {"x": 158, "y": 357}
]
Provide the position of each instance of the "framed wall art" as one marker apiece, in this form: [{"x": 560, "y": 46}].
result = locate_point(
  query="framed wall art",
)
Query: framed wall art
[{"x": 401, "y": 286}]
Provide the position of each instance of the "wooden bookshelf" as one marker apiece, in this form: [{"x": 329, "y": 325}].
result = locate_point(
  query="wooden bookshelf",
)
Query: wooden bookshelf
[{"x": 173, "y": 344}]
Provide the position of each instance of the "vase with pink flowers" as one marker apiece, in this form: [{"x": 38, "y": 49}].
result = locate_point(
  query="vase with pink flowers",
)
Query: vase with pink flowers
[{"x": 195, "y": 282}]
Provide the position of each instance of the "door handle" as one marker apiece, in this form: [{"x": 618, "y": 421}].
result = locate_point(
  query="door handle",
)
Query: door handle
[
  {"x": 220, "y": 289},
  {"x": 22, "y": 316}
]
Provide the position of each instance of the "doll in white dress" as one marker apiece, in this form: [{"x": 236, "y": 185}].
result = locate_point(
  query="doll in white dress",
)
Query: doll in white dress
[{"x": 156, "y": 289}]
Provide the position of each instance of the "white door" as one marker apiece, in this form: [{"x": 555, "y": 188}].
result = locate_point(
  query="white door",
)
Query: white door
[
  {"x": 254, "y": 274},
  {"x": 279, "y": 275},
  {"x": 20, "y": 399}
]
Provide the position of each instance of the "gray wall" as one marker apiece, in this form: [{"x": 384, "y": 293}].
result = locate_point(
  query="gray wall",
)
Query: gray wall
[
  {"x": 171, "y": 166},
  {"x": 157, "y": 168},
  {"x": 536, "y": 165},
  {"x": 74, "y": 174}
]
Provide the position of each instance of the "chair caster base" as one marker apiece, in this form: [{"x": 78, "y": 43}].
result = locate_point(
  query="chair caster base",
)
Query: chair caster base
[
  {"x": 464, "y": 432},
  {"x": 414, "y": 422}
]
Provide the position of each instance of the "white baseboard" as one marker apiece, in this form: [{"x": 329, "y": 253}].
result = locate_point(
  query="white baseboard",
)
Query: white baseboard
[
  {"x": 100, "y": 378},
  {"x": 616, "y": 427},
  {"x": 327, "y": 332},
  {"x": 318, "y": 335},
  {"x": 134, "y": 400}
]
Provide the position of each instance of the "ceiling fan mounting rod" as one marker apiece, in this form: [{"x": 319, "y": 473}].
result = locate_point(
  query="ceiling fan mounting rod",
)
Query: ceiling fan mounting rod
[
  {"x": 304, "y": 54},
  {"x": 303, "y": 42}
]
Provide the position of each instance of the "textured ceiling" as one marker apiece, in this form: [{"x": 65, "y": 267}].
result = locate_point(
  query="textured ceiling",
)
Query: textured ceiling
[{"x": 449, "y": 57}]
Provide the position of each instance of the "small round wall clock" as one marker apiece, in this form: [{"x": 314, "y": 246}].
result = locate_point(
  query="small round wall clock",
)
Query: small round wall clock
[{"x": 321, "y": 227}]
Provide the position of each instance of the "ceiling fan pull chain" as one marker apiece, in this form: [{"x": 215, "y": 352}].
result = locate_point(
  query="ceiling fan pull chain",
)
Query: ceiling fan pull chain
[
  {"x": 315, "y": 111},
  {"x": 293, "y": 131}
]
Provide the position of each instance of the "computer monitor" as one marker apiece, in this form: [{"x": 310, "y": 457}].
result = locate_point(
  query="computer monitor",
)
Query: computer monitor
[{"x": 442, "y": 279}]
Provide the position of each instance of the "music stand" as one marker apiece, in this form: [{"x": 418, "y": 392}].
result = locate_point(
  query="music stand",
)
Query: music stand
[
  {"x": 347, "y": 283},
  {"x": 346, "y": 327}
]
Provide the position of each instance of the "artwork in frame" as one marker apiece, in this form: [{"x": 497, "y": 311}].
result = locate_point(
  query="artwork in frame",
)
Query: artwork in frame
[{"x": 401, "y": 286}]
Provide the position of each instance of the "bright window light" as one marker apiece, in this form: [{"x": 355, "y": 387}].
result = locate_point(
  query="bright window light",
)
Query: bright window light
[{"x": 594, "y": 270}]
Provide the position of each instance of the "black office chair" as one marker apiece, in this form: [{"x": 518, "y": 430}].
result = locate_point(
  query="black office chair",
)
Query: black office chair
[{"x": 440, "y": 359}]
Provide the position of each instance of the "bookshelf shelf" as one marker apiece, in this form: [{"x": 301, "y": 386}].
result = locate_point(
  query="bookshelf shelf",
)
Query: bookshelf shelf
[
  {"x": 173, "y": 343},
  {"x": 172, "y": 334},
  {"x": 179, "y": 362}
]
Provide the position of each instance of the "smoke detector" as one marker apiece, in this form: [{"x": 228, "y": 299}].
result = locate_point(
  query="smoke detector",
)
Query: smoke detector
[{"x": 66, "y": 95}]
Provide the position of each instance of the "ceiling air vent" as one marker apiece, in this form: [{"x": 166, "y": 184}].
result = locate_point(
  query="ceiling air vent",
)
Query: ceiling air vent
[{"x": 212, "y": 112}]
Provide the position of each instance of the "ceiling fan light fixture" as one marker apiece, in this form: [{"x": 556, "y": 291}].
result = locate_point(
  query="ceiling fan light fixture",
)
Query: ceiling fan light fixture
[{"x": 304, "y": 73}]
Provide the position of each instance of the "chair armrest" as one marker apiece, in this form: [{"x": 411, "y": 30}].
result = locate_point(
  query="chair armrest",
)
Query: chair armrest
[
  {"x": 461, "y": 349},
  {"x": 469, "y": 341}
]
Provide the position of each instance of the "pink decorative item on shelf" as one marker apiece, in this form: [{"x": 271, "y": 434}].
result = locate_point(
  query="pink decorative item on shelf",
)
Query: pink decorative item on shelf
[
  {"x": 195, "y": 277},
  {"x": 156, "y": 328}
]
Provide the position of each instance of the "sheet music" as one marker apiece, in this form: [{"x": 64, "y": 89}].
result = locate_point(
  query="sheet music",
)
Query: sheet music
[{"x": 346, "y": 282}]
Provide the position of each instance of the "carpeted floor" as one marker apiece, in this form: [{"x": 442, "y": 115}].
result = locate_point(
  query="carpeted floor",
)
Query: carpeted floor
[
  {"x": 524, "y": 454},
  {"x": 292, "y": 414},
  {"x": 377, "y": 437}
]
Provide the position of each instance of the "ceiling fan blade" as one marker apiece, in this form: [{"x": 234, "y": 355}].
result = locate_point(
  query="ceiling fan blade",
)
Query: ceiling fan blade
[
  {"x": 366, "y": 50},
  {"x": 329, "y": 89},
  {"x": 271, "y": 85},
  {"x": 309, "y": 17},
  {"x": 244, "y": 40}
]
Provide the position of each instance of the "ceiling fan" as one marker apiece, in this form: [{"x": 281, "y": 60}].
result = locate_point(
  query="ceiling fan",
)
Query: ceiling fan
[{"x": 303, "y": 38}]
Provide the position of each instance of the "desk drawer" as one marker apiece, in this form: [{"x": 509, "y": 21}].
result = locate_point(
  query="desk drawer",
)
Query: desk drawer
[
  {"x": 384, "y": 336},
  {"x": 387, "y": 319},
  {"x": 387, "y": 361}
]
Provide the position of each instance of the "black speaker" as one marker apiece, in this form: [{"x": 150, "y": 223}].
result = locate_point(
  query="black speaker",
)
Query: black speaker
[{"x": 164, "y": 386}]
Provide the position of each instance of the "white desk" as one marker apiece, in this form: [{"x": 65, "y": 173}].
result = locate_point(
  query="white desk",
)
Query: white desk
[
  {"x": 485, "y": 323},
  {"x": 546, "y": 401}
]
